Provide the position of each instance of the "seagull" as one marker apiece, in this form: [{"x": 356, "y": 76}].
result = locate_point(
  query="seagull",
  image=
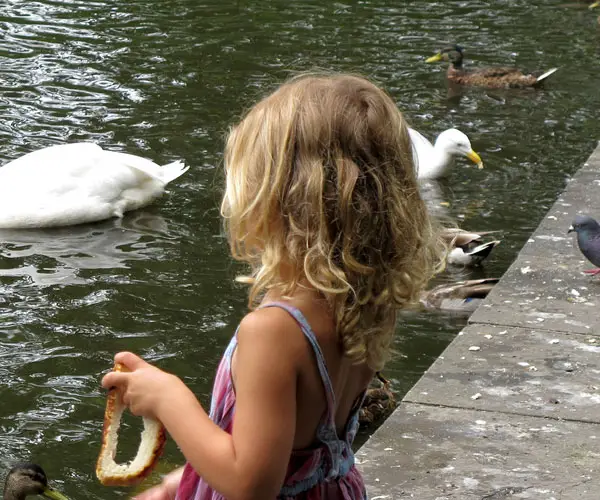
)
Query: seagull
[{"x": 433, "y": 161}]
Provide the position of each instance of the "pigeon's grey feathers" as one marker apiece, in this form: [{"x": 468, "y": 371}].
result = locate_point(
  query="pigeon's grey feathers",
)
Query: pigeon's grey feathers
[{"x": 588, "y": 237}]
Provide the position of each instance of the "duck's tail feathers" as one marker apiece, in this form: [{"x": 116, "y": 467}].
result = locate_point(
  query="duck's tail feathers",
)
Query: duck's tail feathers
[
  {"x": 478, "y": 288},
  {"x": 480, "y": 252},
  {"x": 543, "y": 77},
  {"x": 171, "y": 171}
]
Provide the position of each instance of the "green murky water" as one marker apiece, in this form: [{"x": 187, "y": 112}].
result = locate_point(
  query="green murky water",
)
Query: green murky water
[{"x": 164, "y": 79}]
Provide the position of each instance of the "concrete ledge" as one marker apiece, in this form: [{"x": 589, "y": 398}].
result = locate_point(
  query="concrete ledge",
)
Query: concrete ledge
[
  {"x": 432, "y": 453},
  {"x": 519, "y": 371},
  {"x": 511, "y": 409},
  {"x": 545, "y": 286}
]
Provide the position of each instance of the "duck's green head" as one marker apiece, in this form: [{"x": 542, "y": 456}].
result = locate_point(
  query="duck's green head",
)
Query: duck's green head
[
  {"x": 453, "y": 54},
  {"x": 26, "y": 479}
]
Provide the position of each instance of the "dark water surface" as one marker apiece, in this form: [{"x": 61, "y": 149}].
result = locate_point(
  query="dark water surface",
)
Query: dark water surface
[{"x": 164, "y": 79}]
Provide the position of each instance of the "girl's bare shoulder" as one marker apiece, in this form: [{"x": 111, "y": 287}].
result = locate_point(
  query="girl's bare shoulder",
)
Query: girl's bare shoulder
[{"x": 272, "y": 325}]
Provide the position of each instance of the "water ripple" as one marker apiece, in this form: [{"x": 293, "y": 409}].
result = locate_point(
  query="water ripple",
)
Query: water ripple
[{"x": 165, "y": 80}]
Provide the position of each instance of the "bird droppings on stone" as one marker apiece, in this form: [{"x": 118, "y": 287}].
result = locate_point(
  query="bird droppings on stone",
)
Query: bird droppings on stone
[
  {"x": 470, "y": 483},
  {"x": 551, "y": 238},
  {"x": 474, "y": 348},
  {"x": 554, "y": 341},
  {"x": 503, "y": 332},
  {"x": 523, "y": 363},
  {"x": 488, "y": 336},
  {"x": 475, "y": 397},
  {"x": 526, "y": 270}
]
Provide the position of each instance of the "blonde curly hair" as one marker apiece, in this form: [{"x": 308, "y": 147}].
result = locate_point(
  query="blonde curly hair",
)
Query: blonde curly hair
[{"x": 321, "y": 188}]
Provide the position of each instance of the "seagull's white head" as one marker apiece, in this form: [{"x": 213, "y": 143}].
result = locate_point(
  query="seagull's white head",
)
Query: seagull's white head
[{"x": 456, "y": 143}]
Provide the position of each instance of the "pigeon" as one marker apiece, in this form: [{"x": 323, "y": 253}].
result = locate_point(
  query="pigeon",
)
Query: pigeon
[{"x": 588, "y": 240}]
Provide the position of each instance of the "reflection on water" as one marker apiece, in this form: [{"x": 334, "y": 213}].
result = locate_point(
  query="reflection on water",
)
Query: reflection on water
[
  {"x": 54, "y": 257},
  {"x": 165, "y": 80}
]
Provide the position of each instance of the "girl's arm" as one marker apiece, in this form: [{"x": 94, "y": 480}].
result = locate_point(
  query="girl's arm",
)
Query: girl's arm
[{"x": 251, "y": 463}]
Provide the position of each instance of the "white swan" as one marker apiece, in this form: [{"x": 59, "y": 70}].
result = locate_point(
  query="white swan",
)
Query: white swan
[
  {"x": 432, "y": 161},
  {"x": 78, "y": 183}
]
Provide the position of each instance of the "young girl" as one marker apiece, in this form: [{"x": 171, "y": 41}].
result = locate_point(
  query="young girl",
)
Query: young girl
[{"x": 322, "y": 202}]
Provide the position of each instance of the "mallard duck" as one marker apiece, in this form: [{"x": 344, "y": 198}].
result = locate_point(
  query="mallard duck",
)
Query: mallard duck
[
  {"x": 379, "y": 402},
  {"x": 77, "y": 183},
  {"x": 25, "y": 480},
  {"x": 497, "y": 77},
  {"x": 432, "y": 161},
  {"x": 467, "y": 248},
  {"x": 463, "y": 296}
]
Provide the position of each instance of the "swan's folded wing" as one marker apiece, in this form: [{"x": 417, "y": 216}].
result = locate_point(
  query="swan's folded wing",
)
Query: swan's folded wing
[{"x": 53, "y": 159}]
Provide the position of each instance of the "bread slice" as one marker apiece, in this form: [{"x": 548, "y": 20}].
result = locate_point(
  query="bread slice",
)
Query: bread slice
[{"x": 151, "y": 446}]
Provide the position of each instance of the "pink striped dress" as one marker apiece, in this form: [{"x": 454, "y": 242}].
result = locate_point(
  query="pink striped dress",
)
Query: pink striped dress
[{"x": 324, "y": 471}]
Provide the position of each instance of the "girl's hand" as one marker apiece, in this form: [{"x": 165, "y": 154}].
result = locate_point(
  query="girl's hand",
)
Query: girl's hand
[
  {"x": 165, "y": 490},
  {"x": 145, "y": 388},
  {"x": 159, "y": 492}
]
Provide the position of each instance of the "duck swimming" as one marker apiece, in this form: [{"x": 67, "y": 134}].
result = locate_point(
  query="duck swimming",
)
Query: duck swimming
[
  {"x": 78, "y": 183},
  {"x": 461, "y": 297},
  {"x": 467, "y": 248},
  {"x": 495, "y": 77},
  {"x": 26, "y": 480},
  {"x": 433, "y": 161}
]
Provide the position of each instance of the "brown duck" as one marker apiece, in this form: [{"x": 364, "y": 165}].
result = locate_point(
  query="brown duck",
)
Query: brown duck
[
  {"x": 460, "y": 297},
  {"x": 25, "y": 480},
  {"x": 467, "y": 248},
  {"x": 379, "y": 402},
  {"x": 496, "y": 77}
]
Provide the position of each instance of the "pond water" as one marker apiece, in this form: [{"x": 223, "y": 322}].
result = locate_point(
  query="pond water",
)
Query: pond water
[{"x": 164, "y": 79}]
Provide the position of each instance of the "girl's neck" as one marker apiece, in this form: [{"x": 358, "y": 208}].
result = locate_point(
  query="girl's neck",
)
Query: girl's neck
[{"x": 304, "y": 291}]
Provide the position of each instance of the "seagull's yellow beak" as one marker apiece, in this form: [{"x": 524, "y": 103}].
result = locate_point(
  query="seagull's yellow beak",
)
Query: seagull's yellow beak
[
  {"x": 475, "y": 158},
  {"x": 437, "y": 57},
  {"x": 53, "y": 494},
  {"x": 594, "y": 5}
]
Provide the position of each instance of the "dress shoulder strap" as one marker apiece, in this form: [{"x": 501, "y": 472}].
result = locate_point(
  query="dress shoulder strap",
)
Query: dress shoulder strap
[{"x": 310, "y": 335}]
